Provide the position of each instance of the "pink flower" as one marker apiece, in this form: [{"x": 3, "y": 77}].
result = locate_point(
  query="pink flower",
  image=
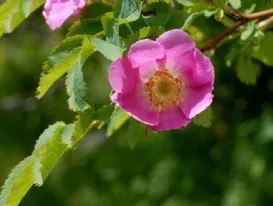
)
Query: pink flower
[
  {"x": 163, "y": 83},
  {"x": 57, "y": 11}
]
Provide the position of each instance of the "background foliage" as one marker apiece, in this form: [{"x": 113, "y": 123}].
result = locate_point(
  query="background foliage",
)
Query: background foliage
[{"x": 227, "y": 164}]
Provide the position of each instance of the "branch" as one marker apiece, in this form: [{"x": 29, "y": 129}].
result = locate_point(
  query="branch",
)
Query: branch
[
  {"x": 235, "y": 13},
  {"x": 265, "y": 23},
  {"x": 245, "y": 18}
]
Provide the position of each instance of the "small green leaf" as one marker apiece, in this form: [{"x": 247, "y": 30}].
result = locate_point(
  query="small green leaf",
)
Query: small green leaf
[
  {"x": 85, "y": 26},
  {"x": 110, "y": 51},
  {"x": 209, "y": 13},
  {"x": 258, "y": 37},
  {"x": 127, "y": 10},
  {"x": 264, "y": 52},
  {"x": 116, "y": 121},
  {"x": 104, "y": 113},
  {"x": 13, "y": 12},
  {"x": 110, "y": 26},
  {"x": 204, "y": 119},
  {"x": 219, "y": 14},
  {"x": 236, "y": 4},
  {"x": 180, "y": 19},
  {"x": 83, "y": 121},
  {"x": 246, "y": 71},
  {"x": 135, "y": 131},
  {"x": 249, "y": 31}
]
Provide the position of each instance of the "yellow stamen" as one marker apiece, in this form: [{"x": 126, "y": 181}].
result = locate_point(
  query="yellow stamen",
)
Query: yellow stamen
[{"x": 164, "y": 90}]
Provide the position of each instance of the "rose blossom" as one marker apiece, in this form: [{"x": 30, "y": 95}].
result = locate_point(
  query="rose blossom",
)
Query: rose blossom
[
  {"x": 163, "y": 83},
  {"x": 57, "y": 11}
]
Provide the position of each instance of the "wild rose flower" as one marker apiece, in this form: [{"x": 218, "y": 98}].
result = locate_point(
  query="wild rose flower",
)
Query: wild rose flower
[
  {"x": 57, "y": 11},
  {"x": 163, "y": 83}
]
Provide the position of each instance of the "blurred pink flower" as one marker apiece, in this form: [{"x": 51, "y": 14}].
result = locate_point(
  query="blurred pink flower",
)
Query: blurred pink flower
[
  {"x": 163, "y": 83},
  {"x": 57, "y": 11}
]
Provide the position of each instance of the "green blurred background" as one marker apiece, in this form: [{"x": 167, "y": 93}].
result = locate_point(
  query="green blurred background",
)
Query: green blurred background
[{"x": 229, "y": 164}]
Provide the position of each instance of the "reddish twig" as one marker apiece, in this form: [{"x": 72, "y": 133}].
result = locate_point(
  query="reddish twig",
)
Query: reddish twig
[{"x": 245, "y": 18}]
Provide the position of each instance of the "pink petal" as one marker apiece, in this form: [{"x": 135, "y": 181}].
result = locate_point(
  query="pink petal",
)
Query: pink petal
[
  {"x": 194, "y": 67},
  {"x": 204, "y": 68},
  {"x": 145, "y": 51},
  {"x": 121, "y": 75},
  {"x": 196, "y": 100},
  {"x": 171, "y": 119},
  {"x": 57, "y": 11},
  {"x": 136, "y": 106},
  {"x": 176, "y": 42}
]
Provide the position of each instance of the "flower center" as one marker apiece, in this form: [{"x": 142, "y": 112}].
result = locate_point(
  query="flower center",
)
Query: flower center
[{"x": 164, "y": 90}]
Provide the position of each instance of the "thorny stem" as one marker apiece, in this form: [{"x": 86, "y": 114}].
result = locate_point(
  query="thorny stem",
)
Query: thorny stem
[{"x": 244, "y": 19}]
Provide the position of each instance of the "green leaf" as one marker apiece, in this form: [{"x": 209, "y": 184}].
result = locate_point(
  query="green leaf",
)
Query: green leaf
[
  {"x": 246, "y": 71},
  {"x": 48, "y": 155},
  {"x": 127, "y": 10},
  {"x": 47, "y": 135},
  {"x": 111, "y": 27},
  {"x": 145, "y": 32},
  {"x": 116, "y": 121},
  {"x": 204, "y": 119},
  {"x": 76, "y": 89},
  {"x": 264, "y": 52},
  {"x": 163, "y": 13},
  {"x": 35, "y": 168},
  {"x": 110, "y": 51},
  {"x": 97, "y": 9},
  {"x": 249, "y": 31},
  {"x": 180, "y": 19},
  {"x": 104, "y": 113},
  {"x": 59, "y": 63},
  {"x": 135, "y": 131},
  {"x": 221, "y": 3},
  {"x": 236, "y": 4},
  {"x": 13, "y": 12},
  {"x": 72, "y": 63},
  {"x": 209, "y": 13},
  {"x": 51, "y": 145},
  {"x": 84, "y": 119},
  {"x": 18, "y": 183},
  {"x": 85, "y": 26},
  {"x": 187, "y": 3}
]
